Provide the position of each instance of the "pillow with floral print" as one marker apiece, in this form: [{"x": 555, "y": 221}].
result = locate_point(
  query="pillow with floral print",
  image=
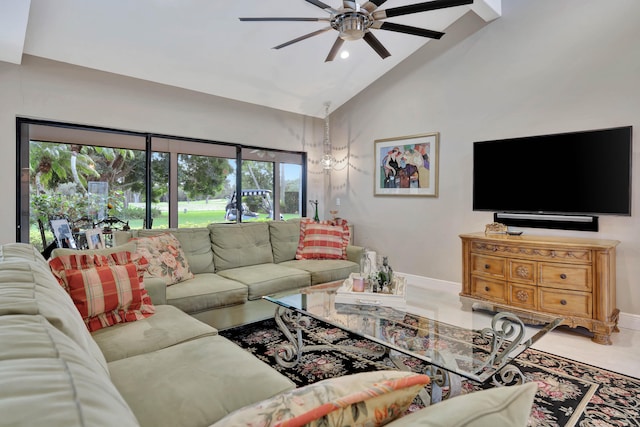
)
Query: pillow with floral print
[
  {"x": 166, "y": 257},
  {"x": 364, "y": 399}
]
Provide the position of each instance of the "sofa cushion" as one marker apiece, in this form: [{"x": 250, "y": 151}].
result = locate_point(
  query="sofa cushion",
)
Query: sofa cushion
[
  {"x": 58, "y": 393},
  {"x": 206, "y": 291},
  {"x": 48, "y": 379},
  {"x": 285, "y": 236},
  {"x": 208, "y": 378},
  {"x": 365, "y": 399},
  {"x": 196, "y": 245},
  {"x": 166, "y": 257},
  {"x": 326, "y": 270},
  {"x": 28, "y": 287},
  {"x": 33, "y": 337},
  {"x": 106, "y": 289},
  {"x": 168, "y": 326},
  {"x": 323, "y": 240},
  {"x": 495, "y": 407},
  {"x": 240, "y": 245},
  {"x": 267, "y": 279}
]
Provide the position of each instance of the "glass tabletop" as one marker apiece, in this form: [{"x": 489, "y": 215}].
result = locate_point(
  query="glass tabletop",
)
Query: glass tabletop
[{"x": 475, "y": 345}]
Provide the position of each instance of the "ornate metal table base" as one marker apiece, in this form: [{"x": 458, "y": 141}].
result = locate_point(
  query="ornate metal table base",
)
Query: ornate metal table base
[
  {"x": 506, "y": 333},
  {"x": 288, "y": 354},
  {"x": 441, "y": 379}
]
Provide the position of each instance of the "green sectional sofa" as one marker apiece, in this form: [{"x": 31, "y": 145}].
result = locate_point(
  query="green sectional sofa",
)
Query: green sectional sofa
[
  {"x": 170, "y": 369},
  {"x": 166, "y": 370},
  {"x": 235, "y": 265}
]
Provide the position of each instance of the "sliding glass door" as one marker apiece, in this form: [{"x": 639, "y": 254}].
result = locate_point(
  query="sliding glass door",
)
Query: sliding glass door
[{"x": 114, "y": 179}]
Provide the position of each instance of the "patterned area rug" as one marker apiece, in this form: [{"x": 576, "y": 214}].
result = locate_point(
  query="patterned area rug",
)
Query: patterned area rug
[{"x": 570, "y": 393}]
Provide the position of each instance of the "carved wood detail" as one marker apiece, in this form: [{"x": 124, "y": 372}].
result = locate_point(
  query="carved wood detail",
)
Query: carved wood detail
[{"x": 568, "y": 277}]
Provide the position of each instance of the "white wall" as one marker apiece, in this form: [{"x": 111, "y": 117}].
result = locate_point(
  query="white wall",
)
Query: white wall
[
  {"x": 50, "y": 90},
  {"x": 545, "y": 66}
]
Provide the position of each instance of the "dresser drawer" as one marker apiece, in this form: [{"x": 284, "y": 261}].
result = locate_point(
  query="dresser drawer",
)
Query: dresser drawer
[
  {"x": 566, "y": 303},
  {"x": 524, "y": 296},
  {"x": 493, "y": 290},
  {"x": 487, "y": 265},
  {"x": 562, "y": 276},
  {"x": 522, "y": 271}
]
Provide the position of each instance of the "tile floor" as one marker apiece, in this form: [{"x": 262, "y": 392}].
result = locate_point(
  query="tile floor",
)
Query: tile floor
[{"x": 623, "y": 356}]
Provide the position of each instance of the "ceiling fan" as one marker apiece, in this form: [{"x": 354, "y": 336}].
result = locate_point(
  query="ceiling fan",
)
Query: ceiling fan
[{"x": 354, "y": 21}]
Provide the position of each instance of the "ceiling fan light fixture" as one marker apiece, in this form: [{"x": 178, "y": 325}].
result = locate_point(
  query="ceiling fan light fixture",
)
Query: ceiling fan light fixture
[
  {"x": 354, "y": 21},
  {"x": 351, "y": 26}
]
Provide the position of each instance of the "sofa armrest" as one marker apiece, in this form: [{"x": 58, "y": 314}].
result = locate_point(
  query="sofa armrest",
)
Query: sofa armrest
[
  {"x": 354, "y": 253},
  {"x": 157, "y": 290}
]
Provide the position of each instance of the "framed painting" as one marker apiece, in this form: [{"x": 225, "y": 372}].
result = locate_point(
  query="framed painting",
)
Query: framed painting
[
  {"x": 407, "y": 165},
  {"x": 94, "y": 238},
  {"x": 62, "y": 231}
]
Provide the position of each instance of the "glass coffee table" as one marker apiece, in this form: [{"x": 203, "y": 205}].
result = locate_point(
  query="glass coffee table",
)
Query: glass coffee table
[{"x": 477, "y": 346}]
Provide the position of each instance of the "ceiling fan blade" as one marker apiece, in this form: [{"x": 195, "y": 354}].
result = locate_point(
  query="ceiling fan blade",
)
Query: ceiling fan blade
[
  {"x": 322, "y": 5},
  {"x": 406, "y": 29},
  {"x": 376, "y": 45},
  {"x": 306, "y": 36},
  {"x": 284, "y": 19},
  {"x": 334, "y": 49},
  {"x": 419, "y": 7},
  {"x": 350, "y": 4},
  {"x": 372, "y": 5}
]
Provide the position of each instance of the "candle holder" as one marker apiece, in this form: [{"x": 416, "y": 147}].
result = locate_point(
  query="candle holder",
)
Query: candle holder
[{"x": 316, "y": 218}]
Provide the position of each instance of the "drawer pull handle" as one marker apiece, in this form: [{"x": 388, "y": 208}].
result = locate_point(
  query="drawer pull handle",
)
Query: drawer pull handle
[
  {"x": 487, "y": 266},
  {"x": 486, "y": 288},
  {"x": 563, "y": 276},
  {"x": 563, "y": 301}
]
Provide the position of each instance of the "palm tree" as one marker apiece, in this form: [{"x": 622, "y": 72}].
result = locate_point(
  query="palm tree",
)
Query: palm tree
[{"x": 51, "y": 164}]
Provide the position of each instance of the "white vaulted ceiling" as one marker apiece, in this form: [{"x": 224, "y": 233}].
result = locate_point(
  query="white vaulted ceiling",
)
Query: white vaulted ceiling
[{"x": 202, "y": 46}]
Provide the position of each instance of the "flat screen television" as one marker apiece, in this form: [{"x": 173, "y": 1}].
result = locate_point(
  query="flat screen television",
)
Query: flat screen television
[{"x": 576, "y": 173}]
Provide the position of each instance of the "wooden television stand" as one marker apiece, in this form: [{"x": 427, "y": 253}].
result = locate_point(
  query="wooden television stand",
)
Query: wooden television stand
[{"x": 573, "y": 278}]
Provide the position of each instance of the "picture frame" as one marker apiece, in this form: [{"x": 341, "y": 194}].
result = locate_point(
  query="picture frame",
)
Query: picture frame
[
  {"x": 407, "y": 165},
  {"x": 94, "y": 237},
  {"x": 62, "y": 232}
]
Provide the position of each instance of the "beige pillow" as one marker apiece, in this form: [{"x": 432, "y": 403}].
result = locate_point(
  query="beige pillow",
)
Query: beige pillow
[{"x": 495, "y": 407}]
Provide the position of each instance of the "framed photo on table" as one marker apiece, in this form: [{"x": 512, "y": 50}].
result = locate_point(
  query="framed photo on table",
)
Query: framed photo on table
[
  {"x": 406, "y": 165},
  {"x": 95, "y": 240},
  {"x": 62, "y": 231}
]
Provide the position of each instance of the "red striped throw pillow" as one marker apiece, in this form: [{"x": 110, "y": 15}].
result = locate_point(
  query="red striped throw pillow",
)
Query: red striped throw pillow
[
  {"x": 323, "y": 239},
  {"x": 105, "y": 289}
]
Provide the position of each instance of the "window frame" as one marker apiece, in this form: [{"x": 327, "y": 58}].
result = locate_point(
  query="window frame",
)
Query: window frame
[{"x": 149, "y": 142}]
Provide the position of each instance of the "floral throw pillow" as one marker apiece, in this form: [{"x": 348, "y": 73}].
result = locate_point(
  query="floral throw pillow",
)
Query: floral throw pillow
[
  {"x": 166, "y": 257},
  {"x": 106, "y": 289},
  {"x": 365, "y": 399},
  {"x": 323, "y": 239}
]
